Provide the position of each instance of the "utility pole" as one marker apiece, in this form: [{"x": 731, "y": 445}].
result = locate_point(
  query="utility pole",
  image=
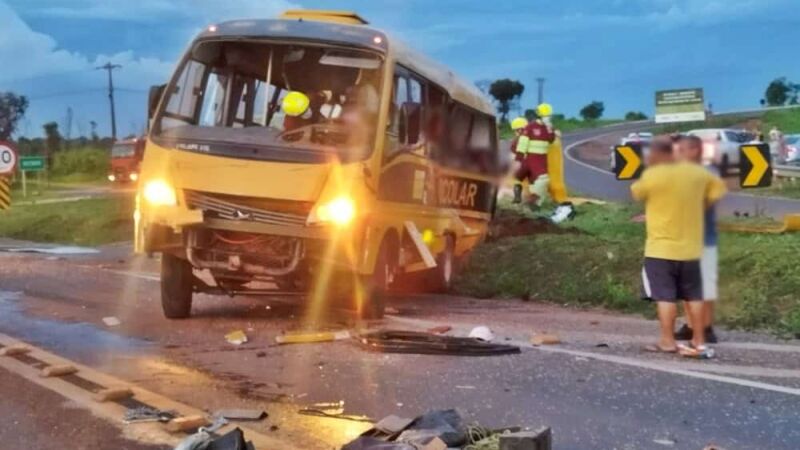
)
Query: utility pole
[
  {"x": 110, "y": 68},
  {"x": 540, "y": 81}
]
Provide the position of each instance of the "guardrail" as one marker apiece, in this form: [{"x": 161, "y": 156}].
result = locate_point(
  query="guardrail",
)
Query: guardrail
[{"x": 787, "y": 171}]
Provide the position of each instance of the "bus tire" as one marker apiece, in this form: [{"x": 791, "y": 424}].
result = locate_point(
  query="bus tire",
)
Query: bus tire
[
  {"x": 177, "y": 282},
  {"x": 440, "y": 279},
  {"x": 376, "y": 285}
]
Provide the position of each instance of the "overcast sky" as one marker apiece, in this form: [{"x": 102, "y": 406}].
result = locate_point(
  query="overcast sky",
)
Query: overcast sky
[{"x": 616, "y": 51}]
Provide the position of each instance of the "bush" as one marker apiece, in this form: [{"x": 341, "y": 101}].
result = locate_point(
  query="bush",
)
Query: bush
[{"x": 87, "y": 162}]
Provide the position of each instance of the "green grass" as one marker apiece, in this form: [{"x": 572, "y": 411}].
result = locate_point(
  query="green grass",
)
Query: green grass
[
  {"x": 712, "y": 122},
  {"x": 84, "y": 222},
  {"x": 564, "y": 125},
  {"x": 787, "y": 120},
  {"x": 599, "y": 264},
  {"x": 781, "y": 187}
]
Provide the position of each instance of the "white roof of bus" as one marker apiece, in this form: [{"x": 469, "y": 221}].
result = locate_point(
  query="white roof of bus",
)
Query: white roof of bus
[{"x": 460, "y": 90}]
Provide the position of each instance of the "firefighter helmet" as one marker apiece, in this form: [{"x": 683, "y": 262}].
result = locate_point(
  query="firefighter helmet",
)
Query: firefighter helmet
[
  {"x": 519, "y": 123},
  {"x": 544, "y": 110},
  {"x": 295, "y": 104}
]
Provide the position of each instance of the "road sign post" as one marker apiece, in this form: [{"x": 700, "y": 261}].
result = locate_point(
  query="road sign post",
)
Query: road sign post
[
  {"x": 30, "y": 164},
  {"x": 8, "y": 161},
  {"x": 755, "y": 166},
  {"x": 628, "y": 161}
]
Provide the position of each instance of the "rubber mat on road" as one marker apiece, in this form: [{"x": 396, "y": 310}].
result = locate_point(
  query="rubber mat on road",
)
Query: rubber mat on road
[{"x": 392, "y": 341}]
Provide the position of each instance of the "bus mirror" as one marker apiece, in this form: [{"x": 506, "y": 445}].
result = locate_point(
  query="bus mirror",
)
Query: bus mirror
[
  {"x": 410, "y": 123},
  {"x": 156, "y": 92}
]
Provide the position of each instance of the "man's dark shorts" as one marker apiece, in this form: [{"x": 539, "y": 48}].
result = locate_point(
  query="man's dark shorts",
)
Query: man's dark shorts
[{"x": 665, "y": 280}]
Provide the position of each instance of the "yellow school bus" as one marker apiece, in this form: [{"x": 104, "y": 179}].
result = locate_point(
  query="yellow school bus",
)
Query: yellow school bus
[{"x": 391, "y": 170}]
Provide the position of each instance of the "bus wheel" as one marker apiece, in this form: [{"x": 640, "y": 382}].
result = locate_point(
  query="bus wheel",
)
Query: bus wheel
[
  {"x": 177, "y": 282},
  {"x": 441, "y": 278},
  {"x": 377, "y": 285}
]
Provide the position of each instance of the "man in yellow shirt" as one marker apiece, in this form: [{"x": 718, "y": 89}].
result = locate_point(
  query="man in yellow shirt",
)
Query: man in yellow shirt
[{"x": 675, "y": 195}]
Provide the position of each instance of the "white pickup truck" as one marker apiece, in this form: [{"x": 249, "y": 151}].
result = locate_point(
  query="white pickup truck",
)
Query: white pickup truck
[{"x": 721, "y": 146}]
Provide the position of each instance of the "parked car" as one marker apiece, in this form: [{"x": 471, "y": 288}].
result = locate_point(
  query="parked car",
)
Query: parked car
[
  {"x": 793, "y": 148},
  {"x": 721, "y": 146}
]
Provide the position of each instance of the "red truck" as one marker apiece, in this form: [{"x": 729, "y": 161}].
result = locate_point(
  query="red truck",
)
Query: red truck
[{"x": 125, "y": 158}]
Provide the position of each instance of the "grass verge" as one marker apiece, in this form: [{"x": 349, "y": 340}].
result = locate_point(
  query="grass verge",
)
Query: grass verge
[
  {"x": 599, "y": 264},
  {"x": 83, "y": 222},
  {"x": 566, "y": 125}
]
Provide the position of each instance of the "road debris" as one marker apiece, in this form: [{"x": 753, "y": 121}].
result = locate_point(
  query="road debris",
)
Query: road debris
[
  {"x": 186, "y": 423},
  {"x": 541, "y": 439},
  {"x": 241, "y": 414},
  {"x": 545, "y": 339},
  {"x": 14, "y": 350},
  {"x": 310, "y": 338},
  {"x": 236, "y": 337},
  {"x": 57, "y": 371},
  {"x": 147, "y": 414},
  {"x": 441, "y": 329},
  {"x": 667, "y": 442},
  {"x": 111, "y": 321},
  {"x": 465, "y": 387},
  {"x": 113, "y": 394},
  {"x": 60, "y": 250},
  {"x": 393, "y": 341},
  {"x": 333, "y": 410},
  {"x": 203, "y": 440},
  {"x": 482, "y": 333}
]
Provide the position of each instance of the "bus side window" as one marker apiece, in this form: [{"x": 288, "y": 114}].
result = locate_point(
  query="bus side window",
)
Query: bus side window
[
  {"x": 399, "y": 97},
  {"x": 434, "y": 120}
]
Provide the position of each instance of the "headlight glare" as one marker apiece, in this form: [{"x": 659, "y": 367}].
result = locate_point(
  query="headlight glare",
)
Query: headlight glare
[{"x": 159, "y": 193}]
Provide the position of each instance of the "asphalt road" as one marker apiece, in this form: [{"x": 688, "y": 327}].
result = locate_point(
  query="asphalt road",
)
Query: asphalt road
[
  {"x": 597, "y": 182},
  {"x": 597, "y": 389}
]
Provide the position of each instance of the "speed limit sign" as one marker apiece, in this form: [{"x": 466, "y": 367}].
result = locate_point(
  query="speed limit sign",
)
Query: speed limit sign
[{"x": 8, "y": 158}]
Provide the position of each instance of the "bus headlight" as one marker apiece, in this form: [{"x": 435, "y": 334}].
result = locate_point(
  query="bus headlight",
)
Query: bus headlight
[
  {"x": 133, "y": 176},
  {"x": 339, "y": 211},
  {"x": 159, "y": 193}
]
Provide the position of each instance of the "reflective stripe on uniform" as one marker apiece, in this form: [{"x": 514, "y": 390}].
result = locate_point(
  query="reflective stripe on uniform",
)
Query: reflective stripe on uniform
[{"x": 538, "y": 147}]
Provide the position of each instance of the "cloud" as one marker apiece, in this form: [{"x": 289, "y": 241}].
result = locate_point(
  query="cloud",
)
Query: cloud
[
  {"x": 156, "y": 10},
  {"x": 29, "y": 54}
]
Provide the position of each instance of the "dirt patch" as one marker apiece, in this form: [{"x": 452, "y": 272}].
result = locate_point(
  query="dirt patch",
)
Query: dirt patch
[{"x": 509, "y": 224}]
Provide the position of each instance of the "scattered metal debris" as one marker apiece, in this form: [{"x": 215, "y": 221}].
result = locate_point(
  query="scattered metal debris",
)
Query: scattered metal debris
[
  {"x": 147, "y": 414},
  {"x": 334, "y": 410},
  {"x": 241, "y": 414}
]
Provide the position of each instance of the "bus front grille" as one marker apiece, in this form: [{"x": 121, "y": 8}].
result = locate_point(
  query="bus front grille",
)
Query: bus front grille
[{"x": 223, "y": 208}]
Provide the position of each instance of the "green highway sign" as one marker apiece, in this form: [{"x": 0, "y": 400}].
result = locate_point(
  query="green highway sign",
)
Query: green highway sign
[
  {"x": 680, "y": 105},
  {"x": 31, "y": 163}
]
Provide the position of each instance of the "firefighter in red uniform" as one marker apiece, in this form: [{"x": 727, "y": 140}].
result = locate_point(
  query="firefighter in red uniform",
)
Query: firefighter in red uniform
[
  {"x": 532, "y": 146},
  {"x": 518, "y": 126}
]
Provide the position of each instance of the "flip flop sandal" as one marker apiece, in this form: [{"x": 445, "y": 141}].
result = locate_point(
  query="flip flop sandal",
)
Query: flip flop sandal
[
  {"x": 653, "y": 348},
  {"x": 690, "y": 351}
]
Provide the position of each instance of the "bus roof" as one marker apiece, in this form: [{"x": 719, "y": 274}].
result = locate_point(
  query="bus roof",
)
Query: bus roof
[{"x": 359, "y": 35}]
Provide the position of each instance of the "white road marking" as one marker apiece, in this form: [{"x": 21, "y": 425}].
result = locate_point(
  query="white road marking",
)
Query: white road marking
[
  {"x": 660, "y": 366},
  {"x": 568, "y": 149}
]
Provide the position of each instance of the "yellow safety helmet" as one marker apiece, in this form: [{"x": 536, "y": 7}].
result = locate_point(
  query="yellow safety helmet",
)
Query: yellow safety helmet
[
  {"x": 295, "y": 104},
  {"x": 544, "y": 110},
  {"x": 519, "y": 123}
]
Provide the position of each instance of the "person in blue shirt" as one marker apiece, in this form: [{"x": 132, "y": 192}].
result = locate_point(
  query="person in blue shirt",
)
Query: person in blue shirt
[{"x": 690, "y": 148}]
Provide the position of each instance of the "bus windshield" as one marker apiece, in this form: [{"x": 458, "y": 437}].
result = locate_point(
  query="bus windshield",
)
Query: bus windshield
[
  {"x": 232, "y": 92},
  {"x": 123, "y": 150}
]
